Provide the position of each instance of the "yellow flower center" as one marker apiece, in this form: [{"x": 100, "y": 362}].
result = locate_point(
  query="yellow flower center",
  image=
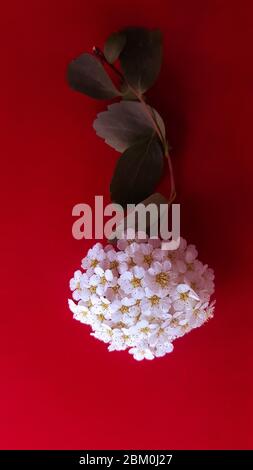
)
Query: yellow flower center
[
  {"x": 115, "y": 288},
  {"x": 124, "y": 309},
  {"x": 120, "y": 324},
  {"x": 93, "y": 289},
  {"x": 103, "y": 281},
  {"x": 185, "y": 327},
  {"x": 145, "y": 330},
  {"x": 94, "y": 263},
  {"x": 162, "y": 279},
  {"x": 196, "y": 312},
  {"x": 136, "y": 282},
  {"x": 114, "y": 264},
  {"x": 184, "y": 296},
  {"x": 148, "y": 259},
  {"x": 154, "y": 300},
  {"x": 105, "y": 306}
]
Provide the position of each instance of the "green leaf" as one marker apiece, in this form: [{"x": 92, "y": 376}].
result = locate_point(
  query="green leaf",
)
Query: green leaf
[
  {"x": 113, "y": 46},
  {"x": 159, "y": 121},
  {"x": 125, "y": 123},
  {"x": 141, "y": 57},
  {"x": 87, "y": 75},
  {"x": 137, "y": 172}
]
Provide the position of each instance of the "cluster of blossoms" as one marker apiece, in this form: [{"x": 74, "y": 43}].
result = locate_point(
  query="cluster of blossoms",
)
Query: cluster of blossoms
[{"x": 139, "y": 297}]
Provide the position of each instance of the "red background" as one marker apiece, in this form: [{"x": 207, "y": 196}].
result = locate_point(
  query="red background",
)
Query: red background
[{"x": 60, "y": 388}]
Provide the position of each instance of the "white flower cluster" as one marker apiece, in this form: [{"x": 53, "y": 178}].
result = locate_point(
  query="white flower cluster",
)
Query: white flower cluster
[{"x": 140, "y": 297}]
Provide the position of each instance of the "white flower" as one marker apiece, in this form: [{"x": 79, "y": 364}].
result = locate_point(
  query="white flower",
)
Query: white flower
[
  {"x": 190, "y": 254},
  {"x": 125, "y": 311},
  {"x": 178, "y": 326},
  {"x": 200, "y": 314},
  {"x": 111, "y": 260},
  {"x": 141, "y": 353},
  {"x": 141, "y": 298},
  {"x": 104, "y": 333},
  {"x": 103, "y": 308},
  {"x": 143, "y": 256},
  {"x": 159, "y": 278},
  {"x": 121, "y": 340},
  {"x": 131, "y": 282},
  {"x": 125, "y": 262},
  {"x": 81, "y": 312},
  {"x": 152, "y": 304},
  {"x": 75, "y": 284},
  {"x": 86, "y": 290},
  {"x": 163, "y": 348},
  {"x": 101, "y": 280},
  {"x": 159, "y": 335},
  {"x": 142, "y": 329},
  {"x": 183, "y": 297},
  {"x": 94, "y": 257},
  {"x": 113, "y": 291}
]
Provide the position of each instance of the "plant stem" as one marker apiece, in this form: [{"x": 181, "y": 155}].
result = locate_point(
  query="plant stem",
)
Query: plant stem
[
  {"x": 146, "y": 109},
  {"x": 102, "y": 57},
  {"x": 139, "y": 96}
]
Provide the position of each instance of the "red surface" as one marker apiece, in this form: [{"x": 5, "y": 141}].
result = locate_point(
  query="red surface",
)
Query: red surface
[{"x": 60, "y": 388}]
